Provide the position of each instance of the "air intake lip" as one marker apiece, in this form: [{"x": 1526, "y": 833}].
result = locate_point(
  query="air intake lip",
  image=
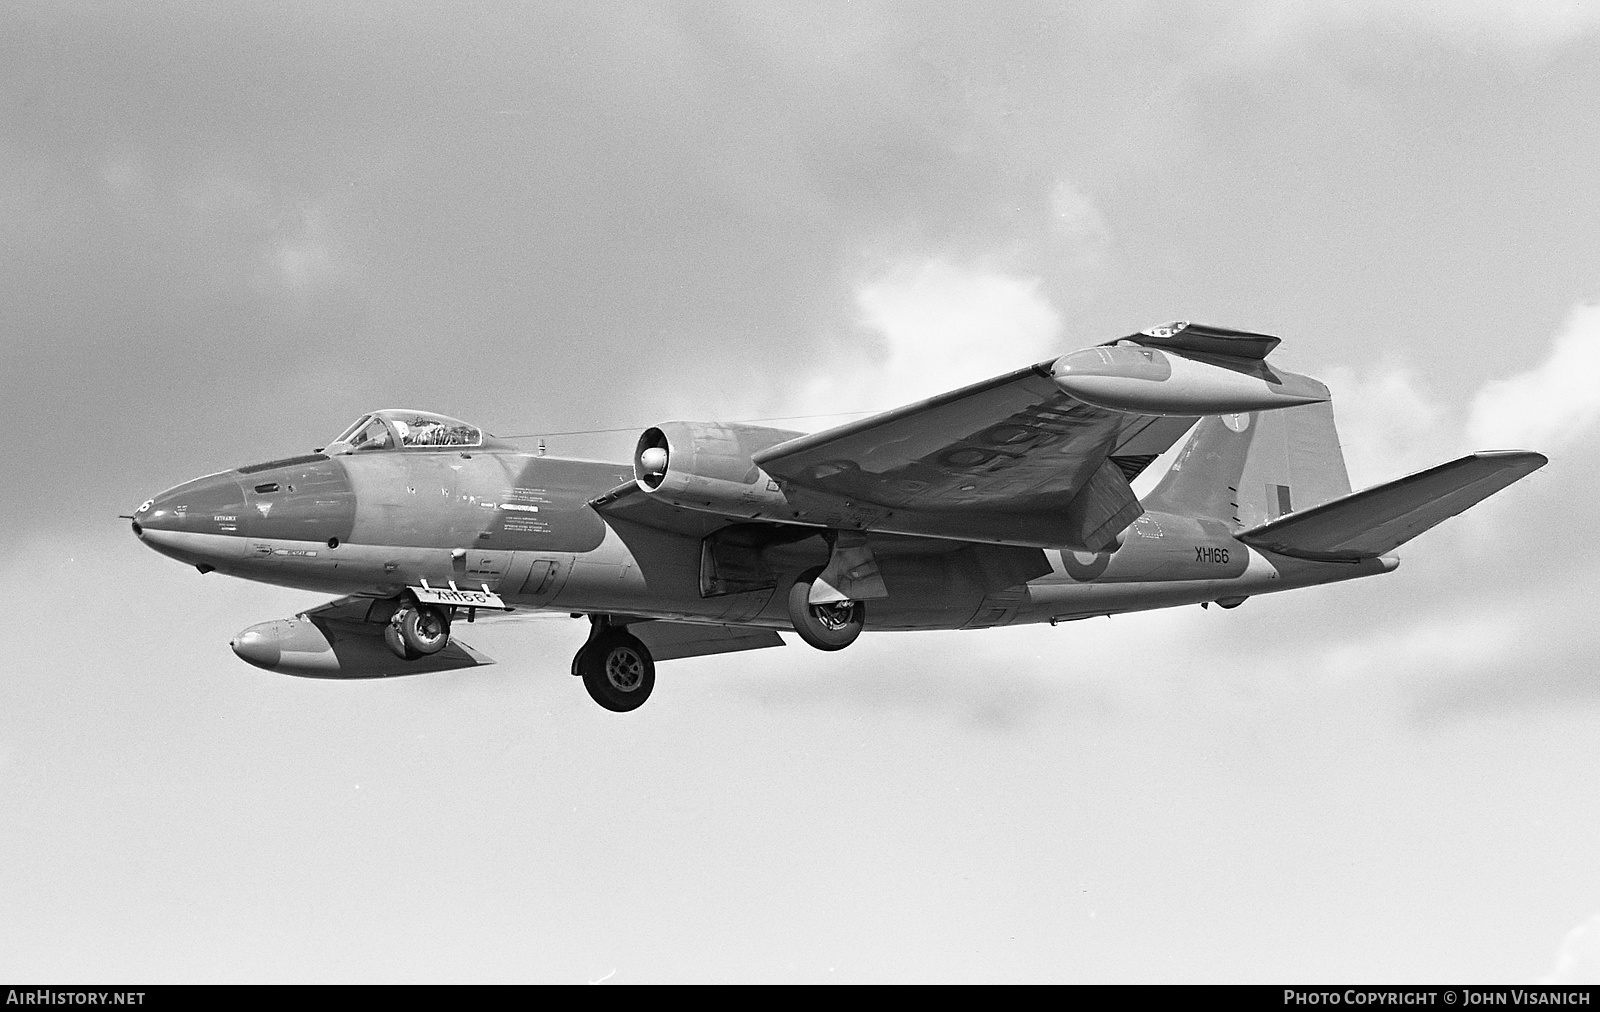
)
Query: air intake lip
[{"x": 652, "y": 444}]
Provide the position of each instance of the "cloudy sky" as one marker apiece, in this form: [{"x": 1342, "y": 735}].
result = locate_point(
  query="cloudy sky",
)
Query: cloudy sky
[{"x": 227, "y": 229}]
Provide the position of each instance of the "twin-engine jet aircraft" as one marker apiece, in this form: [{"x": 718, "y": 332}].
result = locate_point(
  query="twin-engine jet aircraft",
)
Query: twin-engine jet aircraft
[{"x": 1004, "y": 502}]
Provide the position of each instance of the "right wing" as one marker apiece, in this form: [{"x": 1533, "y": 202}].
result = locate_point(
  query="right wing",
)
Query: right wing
[
  {"x": 1366, "y": 524},
  {"x": 1037, "y": 458},
  {"x": 1012, "y": 460}
]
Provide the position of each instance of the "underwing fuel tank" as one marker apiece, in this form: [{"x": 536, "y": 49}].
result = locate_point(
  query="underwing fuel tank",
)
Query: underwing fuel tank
[
  {"x": 1150, "y": 381},
  {"x": 315, "y": 648}
]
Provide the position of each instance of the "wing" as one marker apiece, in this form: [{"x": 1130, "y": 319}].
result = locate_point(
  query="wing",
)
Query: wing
[
  {"x": 629, "y": 502},
  {"x": 671, "y": 640},
  {"x": 1366, "y": 524},
  {"x": 1038, "y": 458},
  {"x": 1013, "y": 460}
]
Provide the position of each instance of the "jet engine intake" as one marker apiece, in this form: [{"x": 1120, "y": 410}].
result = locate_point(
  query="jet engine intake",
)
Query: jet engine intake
[{"x": 707, "y": 466}]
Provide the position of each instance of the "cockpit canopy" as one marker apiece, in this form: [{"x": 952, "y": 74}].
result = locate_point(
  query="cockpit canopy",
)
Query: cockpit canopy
[{"x": 402, "y": 429}]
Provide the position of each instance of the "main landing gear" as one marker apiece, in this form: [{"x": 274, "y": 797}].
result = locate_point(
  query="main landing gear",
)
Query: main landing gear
[
  {"x": 616, "y": 667},
  {"x": 830, "y": 626}
]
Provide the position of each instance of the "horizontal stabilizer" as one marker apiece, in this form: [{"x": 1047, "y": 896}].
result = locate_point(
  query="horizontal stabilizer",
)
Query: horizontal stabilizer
[
  {"x": 1366, "y": 524},
  {"x": 671, "y": 640}
]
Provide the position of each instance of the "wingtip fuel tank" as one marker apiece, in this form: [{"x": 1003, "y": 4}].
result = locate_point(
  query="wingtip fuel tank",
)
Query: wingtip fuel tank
[
  {"x": 1128, "y": 376},
  {"x": 312, "y": 649}
]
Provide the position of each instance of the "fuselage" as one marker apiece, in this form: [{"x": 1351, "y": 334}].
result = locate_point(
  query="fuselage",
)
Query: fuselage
[{"x": 520, "y": 525}]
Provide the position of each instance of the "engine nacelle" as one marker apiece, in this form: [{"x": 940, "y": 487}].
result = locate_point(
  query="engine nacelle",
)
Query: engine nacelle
[{"x": 707, "y": 466}]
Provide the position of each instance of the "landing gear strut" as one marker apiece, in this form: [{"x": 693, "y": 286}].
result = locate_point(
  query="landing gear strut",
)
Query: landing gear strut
[{"x": 616, "y": 667}]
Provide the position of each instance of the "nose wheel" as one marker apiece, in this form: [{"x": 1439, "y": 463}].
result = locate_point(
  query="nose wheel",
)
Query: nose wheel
[
  {"x": 417, "y": 630},
  {"x": 616, "y": 668}
]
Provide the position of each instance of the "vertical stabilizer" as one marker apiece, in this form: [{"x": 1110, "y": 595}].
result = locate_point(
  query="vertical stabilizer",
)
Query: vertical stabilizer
[{"x": 1250, "y": 469}]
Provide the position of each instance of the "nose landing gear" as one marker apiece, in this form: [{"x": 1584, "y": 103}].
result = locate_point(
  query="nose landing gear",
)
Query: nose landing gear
[
  {"x": 616, "y": 668},
  {"x": 417, "y": 630}
]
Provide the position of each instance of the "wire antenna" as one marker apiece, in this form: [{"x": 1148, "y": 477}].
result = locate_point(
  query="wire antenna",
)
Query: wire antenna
[{"x": 636, "y": 428}]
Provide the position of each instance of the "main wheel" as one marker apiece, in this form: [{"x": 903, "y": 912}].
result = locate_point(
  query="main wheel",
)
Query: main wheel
[
  {"x": 617, "y": 670},
  {"x": 417, "y": 630},
  {"x": 832, "y": 626}
]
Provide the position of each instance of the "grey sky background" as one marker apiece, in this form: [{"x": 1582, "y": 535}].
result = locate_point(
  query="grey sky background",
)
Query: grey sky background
[{"x": 226, "y": 230}]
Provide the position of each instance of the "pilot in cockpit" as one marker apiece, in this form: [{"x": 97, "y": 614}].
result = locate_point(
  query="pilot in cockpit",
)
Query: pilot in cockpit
[{"x": 396, "y": 429}]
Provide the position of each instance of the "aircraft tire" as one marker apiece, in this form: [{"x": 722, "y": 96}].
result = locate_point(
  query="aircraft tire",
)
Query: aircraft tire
[
  {"x": 824, "y": 626},
  {"x": 421, "y": 629},
  {"x": 396, "y": 645},
  {"x": 617, "y": 670}
]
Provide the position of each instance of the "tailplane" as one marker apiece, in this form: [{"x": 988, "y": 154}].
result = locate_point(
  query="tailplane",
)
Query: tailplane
[{"x": 1369, "y": 523}]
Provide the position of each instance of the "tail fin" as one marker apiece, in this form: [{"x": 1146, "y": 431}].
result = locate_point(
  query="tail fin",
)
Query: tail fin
[
  {"x": 1249, "y": 469},
  {"x": 1380, "y": 519}
]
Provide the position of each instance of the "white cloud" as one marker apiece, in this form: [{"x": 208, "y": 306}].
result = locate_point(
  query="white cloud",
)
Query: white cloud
[
  {"x": 1551, "y": 405},
  {"x": 302, "y": 263},
  {"x": 929, "y": 326},
  {"x": 1578, "y": 960},
  {"x": 1389, "y": 424},
  {"x": 1079, "y": 225},
  {"x": 1451, "y": 645},
  {"x": 226, "y": 229},
  {"x": 297, "y": 257},
  {"x": 1509, "y": 23}
]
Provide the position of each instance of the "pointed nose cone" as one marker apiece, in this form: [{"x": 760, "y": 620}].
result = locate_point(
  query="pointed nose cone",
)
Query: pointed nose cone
[
  {"x": 209, "y": 505},
  {"x": 185, "y": 522},
  {"x": 257, "y": 647}
]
